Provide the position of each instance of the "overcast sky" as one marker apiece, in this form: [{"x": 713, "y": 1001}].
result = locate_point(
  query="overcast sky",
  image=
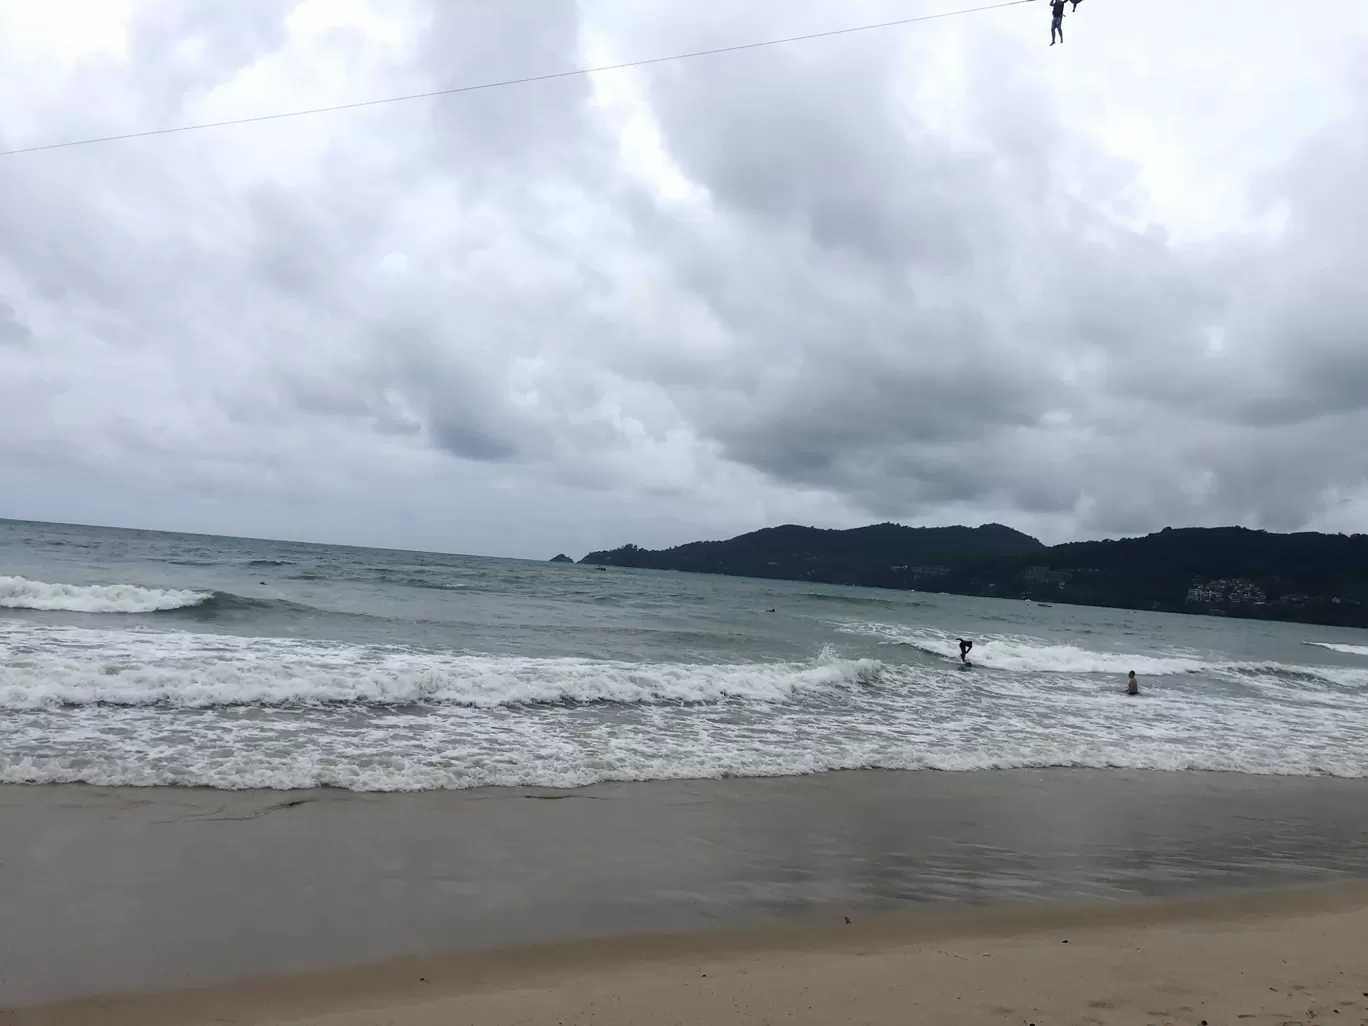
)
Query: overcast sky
[{"x": 942, "y": 273}]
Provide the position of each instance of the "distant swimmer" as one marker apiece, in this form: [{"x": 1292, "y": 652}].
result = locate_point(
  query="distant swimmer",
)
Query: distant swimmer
[
  {"x": 1057, "y": 23},
  {"x": 1132, "y": 685},
  {"x": 965, "y": 646}
]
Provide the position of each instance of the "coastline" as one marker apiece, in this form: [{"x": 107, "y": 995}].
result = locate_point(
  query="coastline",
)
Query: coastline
[{"x": 1170, "y": 571}]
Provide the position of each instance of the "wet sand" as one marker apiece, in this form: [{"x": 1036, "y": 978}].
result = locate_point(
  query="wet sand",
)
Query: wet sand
[
  {"x": 131, "y": 891},
  {"x": 1287, "y": 959}
]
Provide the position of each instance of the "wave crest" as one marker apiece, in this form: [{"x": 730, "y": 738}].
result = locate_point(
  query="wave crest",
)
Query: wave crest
[
  {"x": 21, "y": 593},
  {"x": 1014, "y": 654},
  {"x": 1354, "y": 650},
  {"x": 208, "y": 671},
  {"x": 1027, "y": 655}
]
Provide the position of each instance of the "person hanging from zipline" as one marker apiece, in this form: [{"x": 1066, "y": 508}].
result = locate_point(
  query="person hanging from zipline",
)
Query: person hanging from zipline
[{"x": 1057, "y": 25}]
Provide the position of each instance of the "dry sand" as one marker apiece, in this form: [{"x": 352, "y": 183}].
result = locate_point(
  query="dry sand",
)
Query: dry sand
[{"x": 1293, "y": 957}]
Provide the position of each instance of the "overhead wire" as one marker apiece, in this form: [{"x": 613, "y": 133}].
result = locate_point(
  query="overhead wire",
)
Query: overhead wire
[{"x": 523, "y": 80}]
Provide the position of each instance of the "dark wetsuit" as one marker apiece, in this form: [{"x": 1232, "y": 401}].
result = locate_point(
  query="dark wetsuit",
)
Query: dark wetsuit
[{"x": 965, "y": 646}]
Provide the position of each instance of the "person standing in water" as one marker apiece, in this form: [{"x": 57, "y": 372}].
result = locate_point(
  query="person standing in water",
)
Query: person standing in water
[
  {"x": 1057, "y": 24},
  {"x": 1132, "y": 685},
  {"x": 965, "y": 646}
]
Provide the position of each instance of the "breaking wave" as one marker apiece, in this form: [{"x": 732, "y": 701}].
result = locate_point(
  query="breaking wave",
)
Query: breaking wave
[
  {"x": 1355, "y": 650},
  {"x": 193, "y": 671},
  {"x": 1015, "y": 654},
  {"x": 137, "y": 706},
  {"x": 21, "y": 593},
  {"x": 1029, "y": 655}
]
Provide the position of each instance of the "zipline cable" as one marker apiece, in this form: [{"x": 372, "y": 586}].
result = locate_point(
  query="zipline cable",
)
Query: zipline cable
[{"x": 504, "y": 83}]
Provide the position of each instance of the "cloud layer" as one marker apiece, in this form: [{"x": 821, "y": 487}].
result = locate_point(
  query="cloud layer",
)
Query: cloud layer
[{"x": 935, "y": 274}]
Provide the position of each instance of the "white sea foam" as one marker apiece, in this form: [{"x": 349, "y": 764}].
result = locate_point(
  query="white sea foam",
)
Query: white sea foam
[
  {"x": 551, "y": 752},
  {"x": 1034, "y": 656},
  {"x": 1030, "y": 655},
  {"x": 1356, "y": 650},
  {"x": 68, "y": 667},
  {"x": 229, "y": 712},
  {"x": 21, "y": 593}
]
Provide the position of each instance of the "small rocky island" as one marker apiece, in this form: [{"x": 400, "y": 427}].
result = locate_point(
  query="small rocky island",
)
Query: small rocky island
[{"x": 561, "y": 557}]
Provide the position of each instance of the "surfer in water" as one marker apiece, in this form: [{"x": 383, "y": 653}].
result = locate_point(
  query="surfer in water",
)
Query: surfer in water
[
  {"x": 1132, "y": 685},
  {"x": 965, "y": 646},
  {"x": 1057, "y": 24}
]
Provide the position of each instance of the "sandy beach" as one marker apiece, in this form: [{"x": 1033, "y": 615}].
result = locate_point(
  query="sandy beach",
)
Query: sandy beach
[
  {"x": 1182, "y": 897},
  {"x": 1273, "y": 959}
]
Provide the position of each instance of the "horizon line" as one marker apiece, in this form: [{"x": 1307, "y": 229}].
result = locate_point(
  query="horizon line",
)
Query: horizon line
[{"x": 771, "y": 527}]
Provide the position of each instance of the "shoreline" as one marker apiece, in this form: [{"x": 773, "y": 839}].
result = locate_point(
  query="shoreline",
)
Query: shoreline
[
  {"x": 1284, "y": 956},
  {"x": 557, "y": 791}
]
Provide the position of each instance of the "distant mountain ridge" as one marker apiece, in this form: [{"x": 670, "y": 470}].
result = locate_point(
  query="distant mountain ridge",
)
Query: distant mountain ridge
[
  {"x": 880, "y": 556},
  {"x": 1310, "y": 577}
]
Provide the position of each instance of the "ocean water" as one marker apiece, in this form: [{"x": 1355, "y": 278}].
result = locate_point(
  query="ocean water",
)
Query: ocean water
[{"x": 141, "y": 658}]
